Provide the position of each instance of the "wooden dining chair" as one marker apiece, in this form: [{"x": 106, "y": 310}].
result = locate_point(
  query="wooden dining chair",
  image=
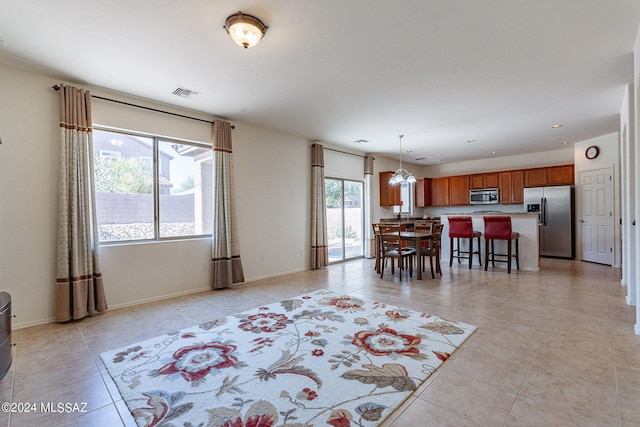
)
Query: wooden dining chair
[
  {"x": 392, "y": 248},
  {"x": 378, "y": 244},
  {"x": 431, "y": 249}
]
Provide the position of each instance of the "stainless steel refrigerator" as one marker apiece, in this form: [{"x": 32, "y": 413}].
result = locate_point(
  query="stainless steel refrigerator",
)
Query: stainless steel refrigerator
[{"x": 555, "y": 208}]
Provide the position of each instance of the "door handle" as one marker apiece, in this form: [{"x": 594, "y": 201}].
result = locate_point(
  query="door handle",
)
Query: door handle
[
  {"x": 582, "y": 220},
  {"x": 633, "y": 222}
]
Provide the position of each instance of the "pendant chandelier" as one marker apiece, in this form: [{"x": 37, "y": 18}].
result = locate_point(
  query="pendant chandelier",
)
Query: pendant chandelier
[{"x": 402, "y": 176}]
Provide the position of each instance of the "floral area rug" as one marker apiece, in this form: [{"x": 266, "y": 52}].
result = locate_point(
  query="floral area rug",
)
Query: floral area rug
[{"x": 315, "y": 360}]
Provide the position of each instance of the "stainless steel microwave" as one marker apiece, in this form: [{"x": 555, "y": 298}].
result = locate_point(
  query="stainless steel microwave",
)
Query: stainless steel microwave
[{"x": 486, "y": 196}]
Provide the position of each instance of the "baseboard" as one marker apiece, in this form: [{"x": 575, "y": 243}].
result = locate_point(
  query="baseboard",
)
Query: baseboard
[
  {"x": 159, "y": 298},
  {"x": 16, "y": 325},
  {"x": 271, "y": 276}
]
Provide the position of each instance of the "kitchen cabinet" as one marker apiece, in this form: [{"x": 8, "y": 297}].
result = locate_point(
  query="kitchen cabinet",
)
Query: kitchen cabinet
[
  {"x": 560, "y": 175},
  {"x": 476, "y": 181},
  {"x": 551, "y": 175},
  {"x": 511, "y": 186},
  {"x": 459, "y": 190},
  {"x": 490, "y": 180},
  {"x": 483, "y": 180},
  {"x": 517, "y": 186},
  {"x": 504, "y": 187},
  {"x": 423, "y": 192},
  {"x": 440, "y": 191},
  {"x": 535, "y": 177},
  {"x": 389, "y": 194}
]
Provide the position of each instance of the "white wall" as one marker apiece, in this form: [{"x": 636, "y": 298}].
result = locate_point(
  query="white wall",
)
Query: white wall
[
  {"x": 562, "y": 156},
  {"x": 272, "y": 174},
  {"x": 28, "y": 193},
  {"x": 636, "y": 136},
  {"x": 628, "y": 190}
]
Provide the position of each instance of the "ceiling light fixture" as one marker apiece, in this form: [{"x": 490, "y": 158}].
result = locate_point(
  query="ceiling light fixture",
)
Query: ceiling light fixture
[
  {"x": 402, "y": 176},
  {"x": 556, "y": 126},
  {"x": 245, "y": 30}
]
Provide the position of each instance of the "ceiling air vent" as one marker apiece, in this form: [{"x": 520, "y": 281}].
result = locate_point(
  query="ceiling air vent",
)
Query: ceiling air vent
[{"x": 185, "y": 93}]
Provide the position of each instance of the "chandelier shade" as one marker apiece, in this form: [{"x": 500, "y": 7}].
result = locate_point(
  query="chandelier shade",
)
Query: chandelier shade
[
  {"x": 402, "y": 175},
  {"x": 245, "y": 30}
]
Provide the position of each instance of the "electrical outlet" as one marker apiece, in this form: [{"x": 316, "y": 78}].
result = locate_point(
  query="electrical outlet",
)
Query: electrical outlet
[{"x": 203, "y": 266}]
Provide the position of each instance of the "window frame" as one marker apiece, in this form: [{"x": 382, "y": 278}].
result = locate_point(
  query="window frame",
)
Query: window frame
[{"x": 156, "y": 139}]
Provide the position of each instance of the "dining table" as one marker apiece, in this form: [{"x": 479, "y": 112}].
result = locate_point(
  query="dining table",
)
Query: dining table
[{"x": 417, "y": 237}]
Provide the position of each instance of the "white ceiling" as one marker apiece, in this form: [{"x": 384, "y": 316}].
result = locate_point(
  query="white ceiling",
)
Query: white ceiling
[{"x": 441, "y": 72}]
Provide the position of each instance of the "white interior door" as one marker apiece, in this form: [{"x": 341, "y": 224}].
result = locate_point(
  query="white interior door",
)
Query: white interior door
[{"x": 596, "y": 215}]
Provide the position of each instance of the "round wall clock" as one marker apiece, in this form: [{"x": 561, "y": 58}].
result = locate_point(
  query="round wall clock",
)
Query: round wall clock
[{"x": 592, "y": 152}]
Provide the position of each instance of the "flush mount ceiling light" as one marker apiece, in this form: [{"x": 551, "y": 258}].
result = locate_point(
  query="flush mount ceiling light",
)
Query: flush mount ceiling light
[
  {"x": 245, "y": 30},
  {"x": 402, "y": 176}
]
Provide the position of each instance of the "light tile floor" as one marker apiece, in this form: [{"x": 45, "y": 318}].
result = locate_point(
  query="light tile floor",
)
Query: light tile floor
[{"x": 553, "y": 348}]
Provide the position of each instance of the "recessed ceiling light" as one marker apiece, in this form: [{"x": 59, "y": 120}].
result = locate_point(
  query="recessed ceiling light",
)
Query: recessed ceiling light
[
  {"x": 360, "y": 141},
  {"x": 471, "y": 140},
  {"x": 556, "y": 126},
  {"x": 493, "y": 152},
  {"x": 564, "y": 142}
]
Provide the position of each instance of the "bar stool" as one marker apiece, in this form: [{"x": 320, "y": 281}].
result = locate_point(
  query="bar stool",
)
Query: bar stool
[
  {"x": 499, "y": 228},
  {"x": 461, "y": 227}
]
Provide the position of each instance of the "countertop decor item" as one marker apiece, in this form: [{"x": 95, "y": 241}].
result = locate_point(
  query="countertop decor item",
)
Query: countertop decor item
[{"x": 317, "y": 359}]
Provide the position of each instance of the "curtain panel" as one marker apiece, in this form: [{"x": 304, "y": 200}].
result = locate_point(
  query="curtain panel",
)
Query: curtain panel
[
  {"x": 319, "y": 243},
  {"x": 79, "y": 290},
  {"x": 225, "y": 251},
  {"x": 369, "y": 247}
]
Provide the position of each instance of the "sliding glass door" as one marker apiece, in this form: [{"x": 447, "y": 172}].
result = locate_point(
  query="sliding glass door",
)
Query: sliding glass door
[{"x": 344, "y": 218}]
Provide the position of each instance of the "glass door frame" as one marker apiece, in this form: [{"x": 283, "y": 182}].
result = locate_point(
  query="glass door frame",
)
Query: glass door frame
[{"x": 343, "y": 218}]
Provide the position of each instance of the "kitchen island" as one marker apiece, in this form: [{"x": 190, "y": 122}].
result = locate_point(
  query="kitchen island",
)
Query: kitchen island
[{"x": 521, "y": 222}]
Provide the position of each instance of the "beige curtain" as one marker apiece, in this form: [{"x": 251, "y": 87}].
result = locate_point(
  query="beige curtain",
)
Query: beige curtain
[
  {"x": 319, "y": 248},
  {"x": 79, "y": 288},
  {"x": 227, "y": 266},
  {"x": 369, "y": 248}
]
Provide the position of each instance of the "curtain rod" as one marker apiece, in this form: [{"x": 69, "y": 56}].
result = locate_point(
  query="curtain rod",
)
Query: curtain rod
[
  {"x": 57, "y": 88},
  {"x": 344, "y": 152}
]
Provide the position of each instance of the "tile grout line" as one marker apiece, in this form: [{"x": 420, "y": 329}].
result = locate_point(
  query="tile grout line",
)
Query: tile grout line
[
  {"x": 93, "y": 358},
  {"x": 524, "y": 380}
]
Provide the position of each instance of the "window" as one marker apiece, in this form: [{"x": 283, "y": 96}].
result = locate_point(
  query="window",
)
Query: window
[
  {"x": 406, "y": 200},
  {"x": 150, "y": 188}
]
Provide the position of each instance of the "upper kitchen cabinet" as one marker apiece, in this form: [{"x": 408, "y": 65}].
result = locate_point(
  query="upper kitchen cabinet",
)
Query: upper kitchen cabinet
[
  {"x": 483, "y": 180},
  {"x": 440, "y": 191},
  {"x": 511, "y": 185},
  {"x": 389, "y": 194},
  {"x": 459, "y": 190},
  {"x": 535, "y": 177},
  {"x": 517, "y": 186},
  {"x": 560, "y": 175},
  {"x": 552, "y": 175},
  {"x": 423, "y": 192}
]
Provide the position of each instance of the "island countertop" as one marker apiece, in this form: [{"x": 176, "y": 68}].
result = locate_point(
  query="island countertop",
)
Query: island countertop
[{"x": 525, "y": 223}]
